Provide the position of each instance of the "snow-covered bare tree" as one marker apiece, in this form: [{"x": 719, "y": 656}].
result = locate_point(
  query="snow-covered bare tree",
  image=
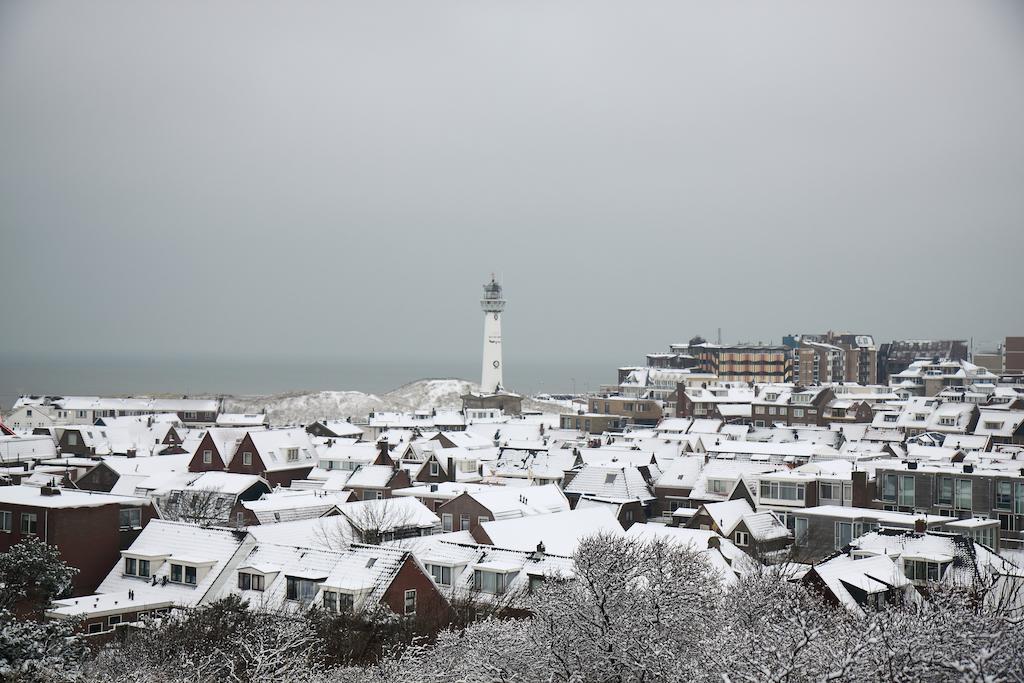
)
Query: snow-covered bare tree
[
  {"x": 202, "y": 506},
  {"x": 32, "y": 574},
  {"x": 34, "y": 651}
]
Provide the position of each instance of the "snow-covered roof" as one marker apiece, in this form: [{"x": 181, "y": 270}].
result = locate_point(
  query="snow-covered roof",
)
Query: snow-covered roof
[
  {"x": 512, "y": 503},
  {"x": 622, "y": 483},
  {"x": 33, "y": 496},
  {"x": 560, "y": 532}
]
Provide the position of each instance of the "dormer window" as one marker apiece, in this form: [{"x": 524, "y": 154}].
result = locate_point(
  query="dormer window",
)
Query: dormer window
[
  {"x": 947, "y": 421},
  {"x": 993, "y": 425},
  {"x": 493, "y": 577},
  {"x": 291, "y": 454},
  {"x": 336, "y": 602},
  {"x": 183, "y": 573},
  {"x": 247, "y": 458},
  {"x": 441, "y": 574},
  {"x": 253, "y": 582},
  {"x": 207, "y": 457},
  {"x": 299, "y": 589},
  {"x": 435, "y": 469},
  {"x": 136, "y": 567}
]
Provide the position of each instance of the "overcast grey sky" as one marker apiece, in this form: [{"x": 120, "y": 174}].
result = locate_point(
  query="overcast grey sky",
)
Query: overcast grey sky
[{"x": 311, "y": 179}]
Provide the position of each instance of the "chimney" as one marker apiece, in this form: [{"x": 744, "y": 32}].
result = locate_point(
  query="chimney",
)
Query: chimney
[
  {"x": 920, "y": 525},
  {"x": 912, "y": 465},
  {"x": 968, "y": 468},
  {"x": 451, "y": 469},
  {"x": 131, "y": 453},
  {"x": 49, "y": 491}
]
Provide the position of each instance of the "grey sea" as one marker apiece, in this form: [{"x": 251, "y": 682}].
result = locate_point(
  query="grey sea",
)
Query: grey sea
[{"x": 108, "y": 375}]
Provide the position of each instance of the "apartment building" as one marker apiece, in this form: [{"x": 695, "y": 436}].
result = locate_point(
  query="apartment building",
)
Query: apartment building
[
  {"x": 636, "y": 411},
  {"x": 741, "y": 362},
  {"x": 961, "y": 490},
  {"x": 1013, "y": 355},
  {"x": 896, "y": 356},
  {"x": 931, "y": 377},
  {"x": 832, "y": 357}
]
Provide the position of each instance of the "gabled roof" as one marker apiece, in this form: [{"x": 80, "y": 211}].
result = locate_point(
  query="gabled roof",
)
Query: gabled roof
[
  {"x": 623, "y": 483},
  {"x": 560, "y": 532},
  {"x": 727, "y": 514},
  {"x": 274, "y": 445},
  {"x": 878, "y": 574},
  {"x": 371, "y": 476},
  {"x": 513, "y": 502},
  {"x": 165, "y": 542}
]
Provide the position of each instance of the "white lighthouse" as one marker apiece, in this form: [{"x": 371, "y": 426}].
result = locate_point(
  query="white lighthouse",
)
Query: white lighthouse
[{"x": 493, "y": 305}]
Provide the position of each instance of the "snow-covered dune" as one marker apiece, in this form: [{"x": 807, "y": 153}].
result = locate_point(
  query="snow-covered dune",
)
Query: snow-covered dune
[{"x": 302, "y": 408}]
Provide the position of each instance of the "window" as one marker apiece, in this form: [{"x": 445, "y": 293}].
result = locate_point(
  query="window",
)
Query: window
[
  {"x": 72, "y": 438},
  {"x": 338, "y": 602},
  {"x": 1018, "y": 500},
  {"x": 28, "y": 522},
  {"x": 410, "y": 601},
  {"x": 435, "y": 469},
  {"x": 907, "y": 491},
  {"x": 483, "y": 519},
  {"x": 130, "y": 566},
  {"x": 1004, "y": 495},
  {"x": 963, "y": 494},
  {"x": 292, "y": 454},
  {"x": 742, "y": 539},
  {"x": 800, "y": 529},
  {"x": 5, "y": 521},
  {"x": 889, "y": 487},
  {"x": 491, "y": 582},
  {"x": 302, "y": 590},
  {"x": 922, "y": 570},
  {"x": 114, "y": 620},
  {"x": 143, "y": 569},
  {"x": 96, "y": 627},
  {"x": 843, "y": 535},
  {"x": 131, "y": 518},
  {"x": 446, "y": 522},
  {"x": 787, "y": 491},
  {"x": 464, "y": 522},
  {"x": 207, "y": 457},
  {"x": 798, "y": 412},
  {"x": 720, "y": 486},
  {"x": 176, "y": 573},
  {"x": 442, "y": 575},
  {"x": 246, "y": 458},
  {"x": 250, "y": 582},
  {"x": 190, "y": 575},
  {"x": 828, "y": 491},
  {"x": 944, "y": 495}
]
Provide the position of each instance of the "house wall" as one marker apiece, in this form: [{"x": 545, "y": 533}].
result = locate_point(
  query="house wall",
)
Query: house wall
[
  {"x": 100, "y": 478},
  {"x": 464, "y": 505},
  {"x": 88, "y": 538},
  {"x": 431, "y": 605},
  {"x": 197, "y": 464}
]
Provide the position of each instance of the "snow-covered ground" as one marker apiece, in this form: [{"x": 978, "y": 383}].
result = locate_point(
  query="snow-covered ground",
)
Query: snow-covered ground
[{"x": 303, "y": 408}]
